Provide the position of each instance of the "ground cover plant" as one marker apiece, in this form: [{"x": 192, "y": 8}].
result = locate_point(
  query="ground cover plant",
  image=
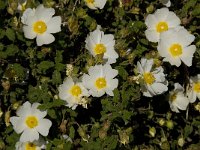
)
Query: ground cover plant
[{"x": 99, "y": 74}]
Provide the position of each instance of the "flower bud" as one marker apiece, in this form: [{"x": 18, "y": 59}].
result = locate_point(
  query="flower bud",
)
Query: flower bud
[
  {"x": 152, "y": 131},
  {"x": 161, "y": 121},
  {"x": 5, "y": 85},
  {"x": 7, "y": 118},
  {"x": 170, "y": 124},
  {"x": 181, "y": 141}
]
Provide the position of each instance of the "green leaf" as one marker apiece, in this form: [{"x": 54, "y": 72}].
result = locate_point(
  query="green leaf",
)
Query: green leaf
[
  {"x": 71, "y": 132},
  {"x": 45, "y": 65},
  {"x": 187, "y": 130},
  {"x": 10, "y": 34},
  {"x": 122, "y": 72}
]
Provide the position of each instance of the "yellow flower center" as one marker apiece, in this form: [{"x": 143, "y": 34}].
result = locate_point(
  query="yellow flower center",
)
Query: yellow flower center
[
  {"x": 31, "y": 121},
  {"x": 175, "y": 50},
  {"x": 30, "y": 146},
  {"x": 99, "y": 49},
  {"x": 39, "y": 27},
  {"x": 90, "y": 1},
  {"x": 149, "y": 78},
  {"x": 173, "y": 97},
  {"x": 76, "y": 90},
  {"x": 161, "y": 27},
  {"x": 196, "y": 87},
  {"x": 100, "y": 83}
]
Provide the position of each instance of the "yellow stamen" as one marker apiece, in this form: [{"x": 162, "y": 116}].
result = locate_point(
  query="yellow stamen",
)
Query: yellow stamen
[
  {"x": 76, "y": 90},
  {"x": 99, "y": 49},
  {"x": 39, "y": 27},
  {"x": 90, "y": 1},
  {"x": 173, "y": 97},
  {"x": 196, "y": 87},
  {"x": 175, "y": 50},
  {"x": 30, "y": 146},
  {"x": 149, "y": 78},
  {"x": 161, "y": 27},
  {"x": 101, "y": 83},
  {"x": 31, "y": 121}
]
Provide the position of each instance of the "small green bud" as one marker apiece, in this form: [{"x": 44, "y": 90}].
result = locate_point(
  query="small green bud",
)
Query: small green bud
[
  {"x": 150, "y": 9},
  {"x": 181, "y": 141},
  {"x": 152, "y": 131},
  {"x": 170, "y": 124},
  {"x": 161, "y": 121}
]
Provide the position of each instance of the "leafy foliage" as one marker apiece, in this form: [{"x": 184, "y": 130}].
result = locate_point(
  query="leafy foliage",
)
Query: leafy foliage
[{"x": 125, "y": 121}]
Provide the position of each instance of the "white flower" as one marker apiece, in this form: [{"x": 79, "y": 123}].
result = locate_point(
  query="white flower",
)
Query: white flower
[
  {"x": 94, "y": 4},
  {"x": 100, "y": 80},
  {"x": 72, "y": 92},
  {"x": 177, "y": 98},
  {"x": 175, "y": 46},
  {"x": 39, "y": 24},
  {"x": 99, "y": 43},
  {"x": 154, "y": 79},
  {"x": 193, "y": 90},
  {"x": 35, "y": 145},
  {"x": 161, "y": 21},
  {"x": 30, "y": 122},
  {"x": 167, "y": 3}
]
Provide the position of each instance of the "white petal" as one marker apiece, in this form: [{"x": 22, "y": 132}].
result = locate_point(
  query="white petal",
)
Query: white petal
[
  {"x": 45, "y": 38},
  {"x": 29, "y": 135},
  {"x": 182, "y": 102},
  {"x": 112, "y": 84},
  {"x": 28, "y": 32},
  {"x": 96, "y": 36},
  {"x": 54, "y": 25},
  {"x": 100, "y": 3},
  {"x": 173, "y": 61},
  {"x": 44, "y": 126},
  {"x": 18, "y": 124},
  {"x": 184, "y": 37},
  {"x": 96, "y": 93},
  {"x": 28, "y": 13},
  {"x": 148, "y": 65},
  {"x": 109, "y": 72},
  {"x": 108, "y": 40},
  {"x": 188, "y": 55},
  {"x": 44, "y": 14},
  {"x": 152, "y": 35},
  {"x": 151, "y": 22},
  {"x": 178, "y": 87},
  {"x": 192, "y": 96},
  {"x": 24, "y": 110},
  {"x": 159, "y": 88},
  {"x": 161, "y": 14},
  {"x": 172, "y": 20}
]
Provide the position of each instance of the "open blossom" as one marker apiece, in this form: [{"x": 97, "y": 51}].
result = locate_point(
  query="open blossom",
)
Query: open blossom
[
  {"x": 39, "y": 24},
  {"x": 94, "y": 4},
  {"x": 154, "y": 79},
  {"x": 175, "y": 46},
  {"x": 193, "y": 90},
  {"x": 35, "y": 145},
  {"x": 177, "y": 98},
  {"x": 30, "y": 122},
  {"x": 72, "y": 92},
  {"x": 99, "y": 43},
  {"x": 161, "y": 21},
  {"x": 167, "y": 3},
  {"x": 100, "y": 80}
]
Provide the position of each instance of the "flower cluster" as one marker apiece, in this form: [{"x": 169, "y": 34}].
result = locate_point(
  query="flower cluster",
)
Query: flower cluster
[
  {"x": 174, "y": 45},
  {"x": 100, "y": 78}
]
